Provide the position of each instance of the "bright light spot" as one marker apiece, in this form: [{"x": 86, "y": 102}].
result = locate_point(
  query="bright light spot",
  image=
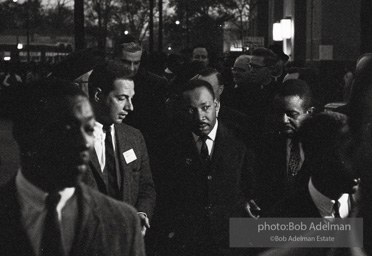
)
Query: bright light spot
[
  {"x": 177, "y": 22},
  {"x": 126, "y": 32},
  {"x": 7, "y": 58},
  {"x": 286, "y": 28},
  {"x": 277, "y": 32},
  {"x": 14, "y": 1},
  {"x": 169, "y": 48},
  {"x": 19, "y": 46}
]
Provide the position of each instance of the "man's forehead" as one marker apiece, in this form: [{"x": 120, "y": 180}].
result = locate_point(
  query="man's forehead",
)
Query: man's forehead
[
  {"x": 81, "y": 107},
  {"x": 291, "y": 102},
  {"x": 242, "y": 62},
  {"x": 200, "y": 51},
  {"x": 258, "y": 60},
  {"x": 198, "y": 94},
  {"x": 131, "y": 56},
  {"x": 63, "y": 109},
  {"x": 124, "y": 86}
]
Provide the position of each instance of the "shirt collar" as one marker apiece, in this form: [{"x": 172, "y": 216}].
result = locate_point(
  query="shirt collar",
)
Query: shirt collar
[
  {"x": 98, "y": 129},
  {"x": 31, "y": 194},
  {"x": 323, "y": 203},
  {"x": 211, "y": 135}
]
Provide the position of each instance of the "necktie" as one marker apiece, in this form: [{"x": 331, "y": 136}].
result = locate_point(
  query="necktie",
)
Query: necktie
[
  {"x": 112, "y": 180},
  {"x": 204, "y": 153},
  {"x": 51, "y": 243},
  {"x": 294, "y": 160},
  {"x": 336, "y": 209}
]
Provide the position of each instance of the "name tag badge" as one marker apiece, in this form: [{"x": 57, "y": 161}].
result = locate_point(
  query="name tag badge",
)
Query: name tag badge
[{"x": 129, "y": 156}]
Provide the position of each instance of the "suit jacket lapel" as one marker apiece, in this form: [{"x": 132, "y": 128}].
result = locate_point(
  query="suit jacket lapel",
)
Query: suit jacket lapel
[
  {"x": 88, "y": 223},
  {"x": 12, "y": 224},
  {"x": 220, "y": 146},
  {"x": 124, "y": 143},
  {"x": 94, "y": 164}
]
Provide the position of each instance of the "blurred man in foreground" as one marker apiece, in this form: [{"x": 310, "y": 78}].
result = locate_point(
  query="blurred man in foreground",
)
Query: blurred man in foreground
[{"x": 45, "y": 209}]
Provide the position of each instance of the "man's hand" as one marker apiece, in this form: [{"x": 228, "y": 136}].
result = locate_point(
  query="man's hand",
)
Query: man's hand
[
  {"x": 253, "y": 209},
  {"x": 145, "y": 223}
]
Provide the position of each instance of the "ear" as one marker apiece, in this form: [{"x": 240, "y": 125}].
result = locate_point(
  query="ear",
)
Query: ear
[
  {"x": 220, "y": 89},
  {"x": 310, "y": 111},
  {"x": 217, "y": 105},
  {"x": 97, "y": 94}
]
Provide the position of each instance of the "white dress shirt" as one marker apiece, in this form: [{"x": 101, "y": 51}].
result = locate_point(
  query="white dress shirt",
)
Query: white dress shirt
[
  {"x": 99, "y": 144},
  {"x": 325, "y": 204},
  {"x": 210, "y": 141},
  {"x": 33, "y": 212}
]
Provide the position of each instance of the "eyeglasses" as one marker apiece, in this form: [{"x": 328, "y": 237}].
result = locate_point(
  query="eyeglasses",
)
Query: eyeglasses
[
  {"x": 250, "y": 67},
  {"x": 240, "y": 70},
  {"x": 255, "y": 67}
]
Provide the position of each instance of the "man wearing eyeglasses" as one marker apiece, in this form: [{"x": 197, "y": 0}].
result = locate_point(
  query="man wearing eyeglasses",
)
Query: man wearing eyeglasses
[
  {"x": 255, "y": 87},
  {"x": 240, "y": 70}
]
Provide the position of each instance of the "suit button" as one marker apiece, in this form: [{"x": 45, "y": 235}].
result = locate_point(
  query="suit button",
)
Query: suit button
[{"x": 209, "y": 177}]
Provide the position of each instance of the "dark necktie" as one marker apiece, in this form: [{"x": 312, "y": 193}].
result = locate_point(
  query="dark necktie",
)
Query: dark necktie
[
  {"x": 204, "y": 153},
  {"x": 51, "y": 241},
  {"x": 294, "y": 160},
  {"x": 112, "y": 180},
  {"x": 336, "y": 209}
]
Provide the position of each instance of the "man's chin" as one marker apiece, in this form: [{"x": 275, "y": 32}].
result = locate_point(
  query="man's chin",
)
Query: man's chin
[
  {"x": 119, "y": 120},
  {"x": 287, "y": 132},
  {"x": 201, "y": 132}
]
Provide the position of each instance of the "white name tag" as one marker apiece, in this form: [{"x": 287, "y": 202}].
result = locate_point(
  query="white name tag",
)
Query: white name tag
[{"x": 129, "y": 156}]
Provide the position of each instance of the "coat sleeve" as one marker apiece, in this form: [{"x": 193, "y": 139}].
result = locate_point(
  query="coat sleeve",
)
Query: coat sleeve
[
  {"x": 147, "y": 195},
  {"x": 137, "y": 245}
]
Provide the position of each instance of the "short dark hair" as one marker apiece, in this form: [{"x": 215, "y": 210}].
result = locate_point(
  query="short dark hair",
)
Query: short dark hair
[
  {"x": 270, "y": 58},
  {"x": 320, "y": 133},
  {"x": 212, "y": 71},
  {"x": 127, "y": 43},
  {"x": 104, "y": 76},
  {"x": 297, "y": 87},
  {"x": 194, "y": 84},
  {"x": 37, "y": 102},
  {"x": 200, "y": 46}
]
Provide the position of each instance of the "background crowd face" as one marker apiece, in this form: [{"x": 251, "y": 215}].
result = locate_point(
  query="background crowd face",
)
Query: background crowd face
[
  {"x": 290, "y": 113},
  {"x": 200, "y": 54},
  {"x": 259, "y": 72},
  {"x": 201, "y": 110},
  {"x": 67, "y": 138},
  {"x": 117, "y": 104},
  {"x": 131, "y": 60},
  {"x": 240, "y": 71}
]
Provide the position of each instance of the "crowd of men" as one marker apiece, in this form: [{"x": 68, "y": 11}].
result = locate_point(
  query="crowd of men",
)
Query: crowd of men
[{"x": 113, "y": 155}]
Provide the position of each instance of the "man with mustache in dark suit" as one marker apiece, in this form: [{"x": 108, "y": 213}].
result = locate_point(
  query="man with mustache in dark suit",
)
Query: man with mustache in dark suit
[{"x": 209, "y": 178}]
